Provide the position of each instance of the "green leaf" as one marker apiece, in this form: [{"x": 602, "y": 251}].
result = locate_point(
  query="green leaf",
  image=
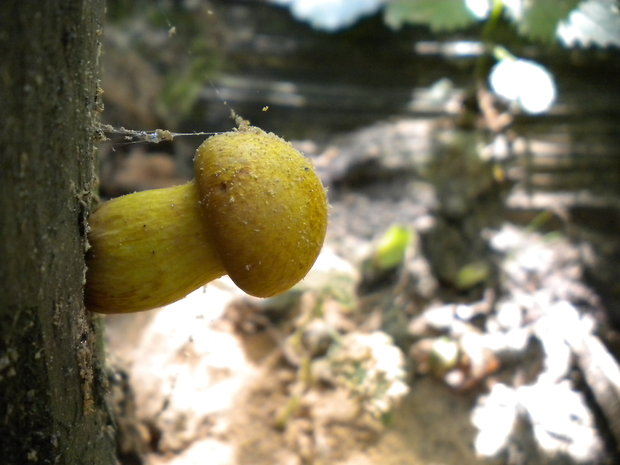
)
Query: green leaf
[
  {"x": 391, "y": 248},
  {"x": 541, "y": 18},
  {"x": 439, "y": 15},
  {"x": 472, "y": 274},
  {"x": 594, "y": 22}
]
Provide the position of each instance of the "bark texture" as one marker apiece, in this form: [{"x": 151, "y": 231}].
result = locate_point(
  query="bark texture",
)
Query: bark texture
[{"x": 52, "y": 384}]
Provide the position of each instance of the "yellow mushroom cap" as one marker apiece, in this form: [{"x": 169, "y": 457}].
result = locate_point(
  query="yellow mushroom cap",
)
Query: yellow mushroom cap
[{"x": 265, "y": 206}]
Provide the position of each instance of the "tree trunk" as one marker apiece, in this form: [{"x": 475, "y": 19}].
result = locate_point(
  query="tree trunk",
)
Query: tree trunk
[{"x": 52, "y": 383}]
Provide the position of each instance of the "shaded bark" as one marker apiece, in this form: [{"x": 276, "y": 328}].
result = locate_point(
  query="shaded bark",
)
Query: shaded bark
[{"x": 52, "y": 384}]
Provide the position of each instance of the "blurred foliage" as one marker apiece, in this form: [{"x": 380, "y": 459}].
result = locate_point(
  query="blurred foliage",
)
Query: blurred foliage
[
  {"x": 184, "y": 39},
  {"x": 540, "y": 19},
  {"x": 591, "y": 22},
  {"x": 527, "y": 84},
  {"x": 571, "y": 22},
  {"x": 574, "y": 22},
  {"x": 595, "y": 22},
  {"x": 183, "y": 85},
  {"x": 439, "y": 15},
  {"x": 472, "y": 274},
  {"x": 181, "y": 41},
  {"x": 392, "y": 246}
]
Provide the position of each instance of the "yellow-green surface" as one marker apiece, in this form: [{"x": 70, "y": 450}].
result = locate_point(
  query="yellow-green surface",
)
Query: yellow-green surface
[
  {"x": 266, "y": 206},
  {"x": 148, "y": 249}
]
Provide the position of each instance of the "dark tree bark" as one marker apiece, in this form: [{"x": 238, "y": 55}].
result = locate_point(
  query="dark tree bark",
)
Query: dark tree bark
[{"x": 52, "y": 386}]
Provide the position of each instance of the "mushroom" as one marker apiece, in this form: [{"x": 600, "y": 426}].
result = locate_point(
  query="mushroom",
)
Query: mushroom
[{"x": 256, "y": 211}]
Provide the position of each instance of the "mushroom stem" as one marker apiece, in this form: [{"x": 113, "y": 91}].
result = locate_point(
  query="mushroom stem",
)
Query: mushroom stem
[{"x": 148, "y": 249}]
